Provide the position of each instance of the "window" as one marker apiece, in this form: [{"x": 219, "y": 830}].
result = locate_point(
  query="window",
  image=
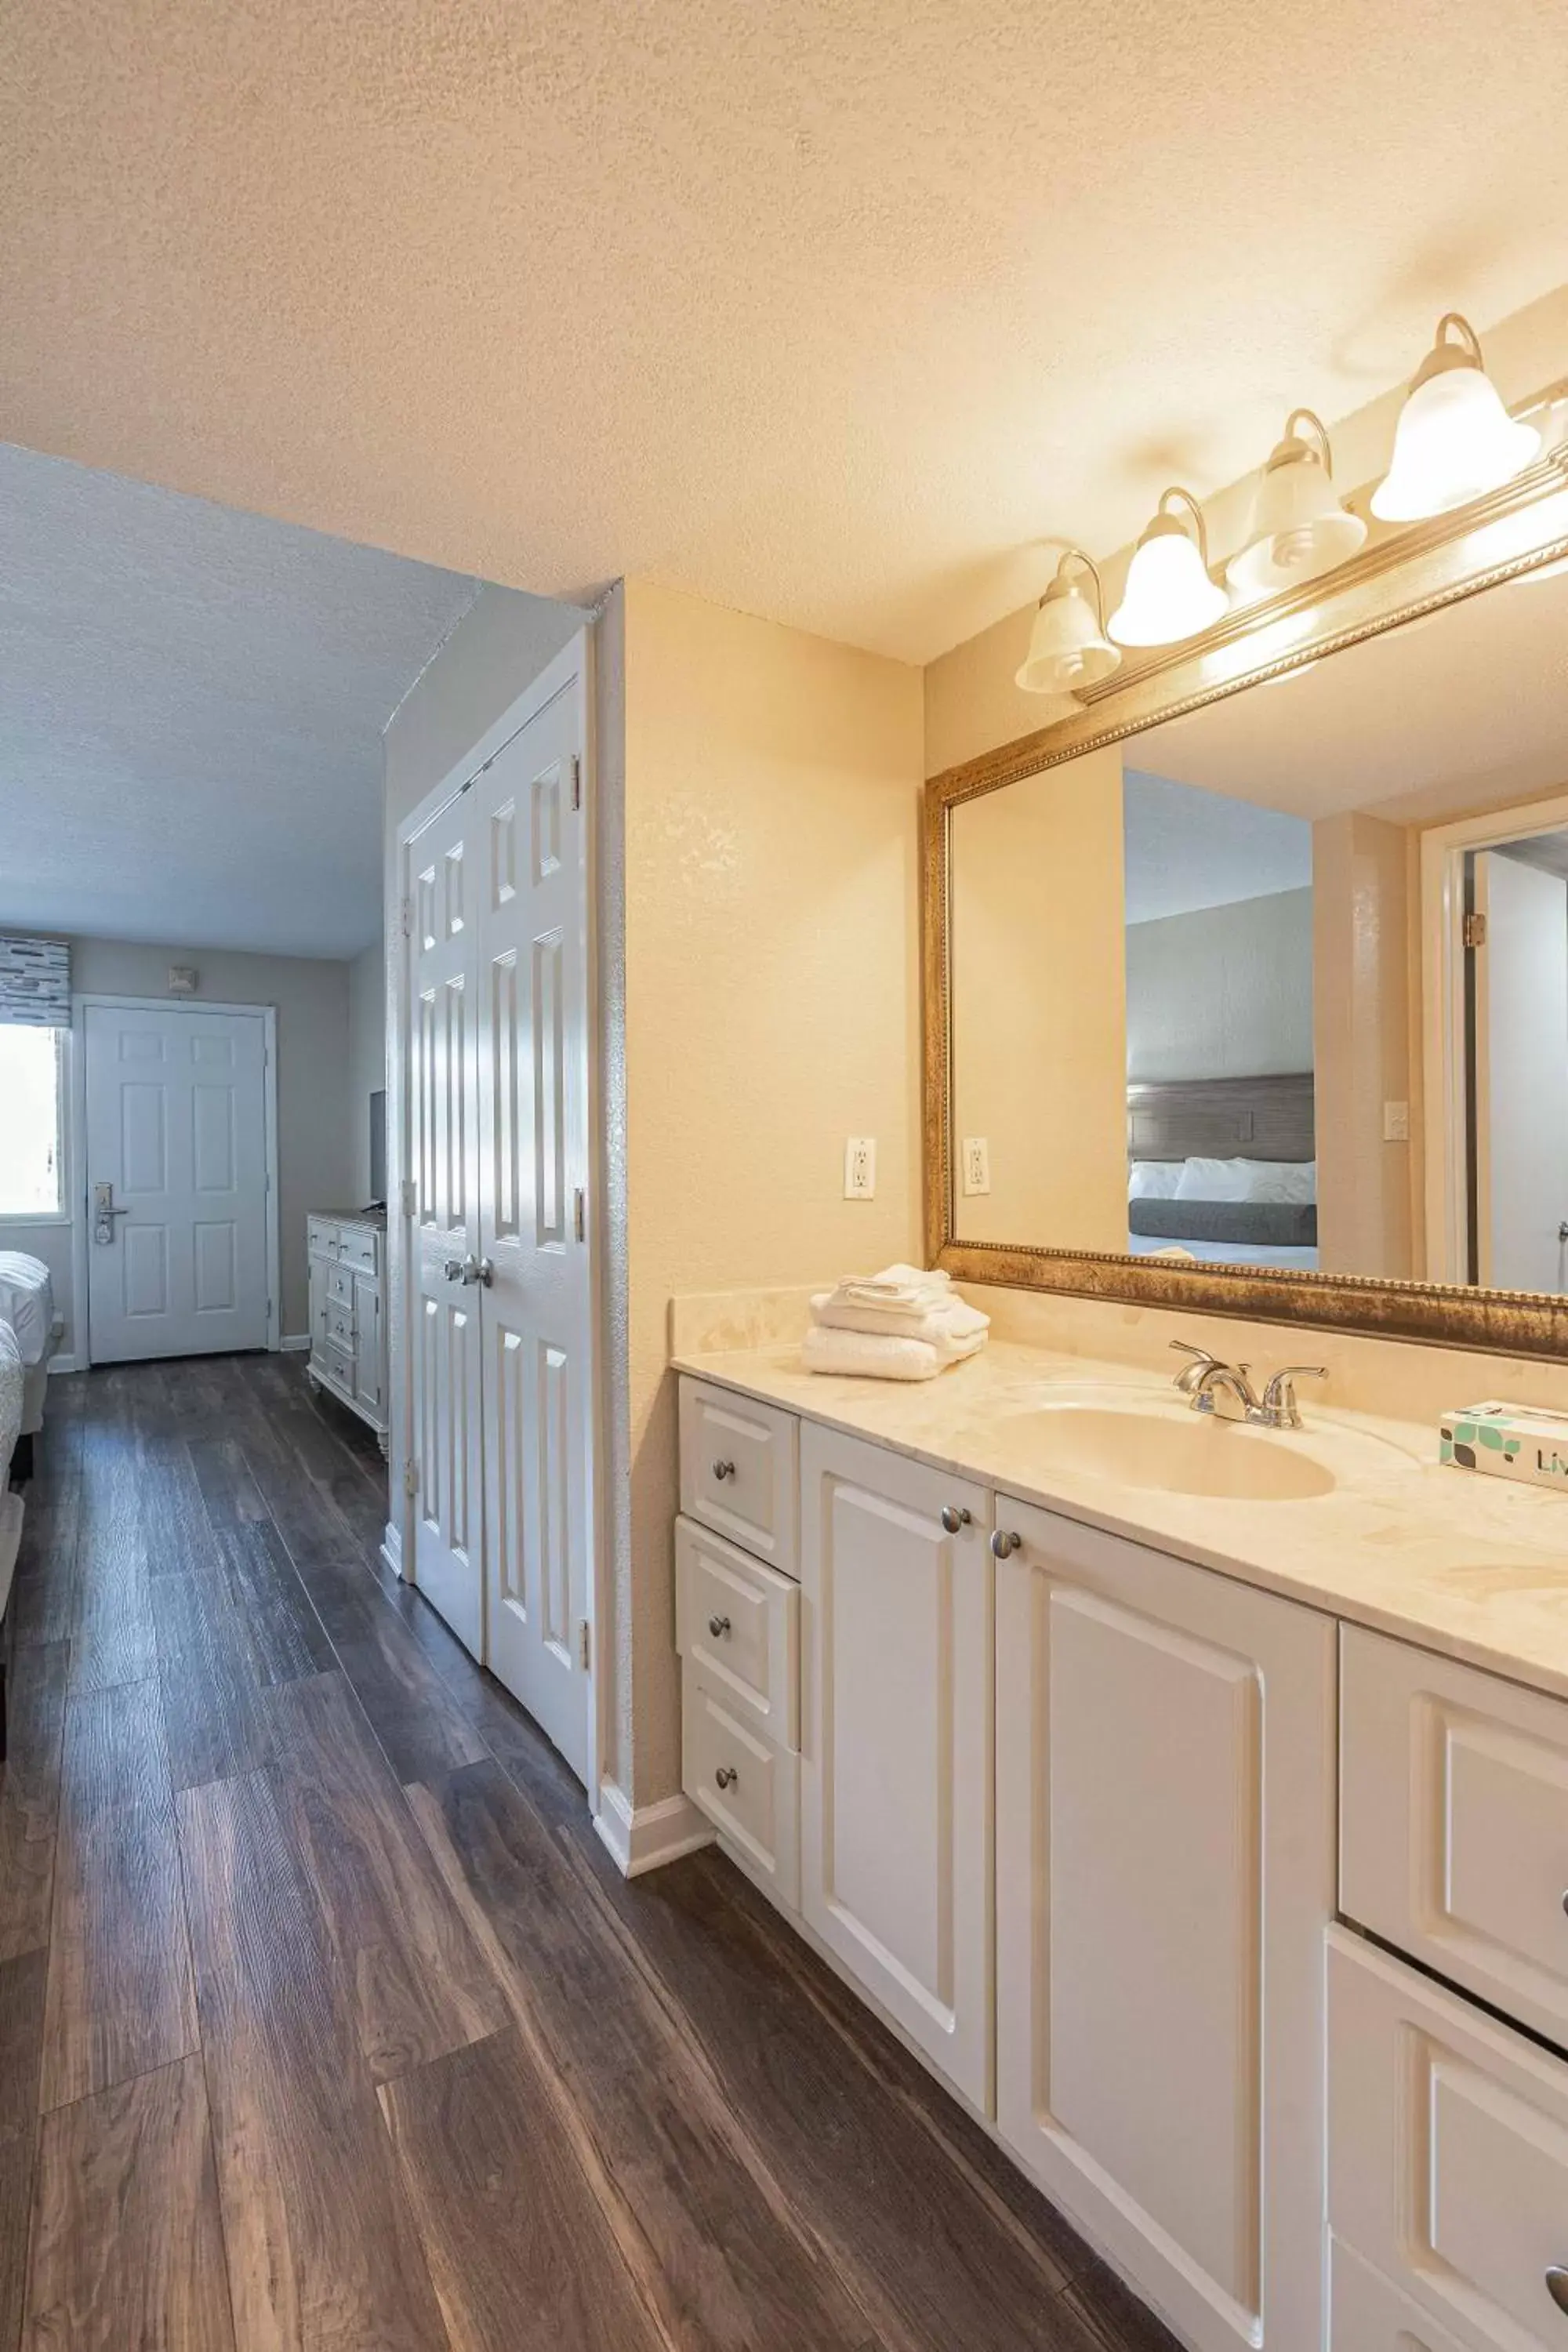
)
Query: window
[{"x": 31, "y": 1178}]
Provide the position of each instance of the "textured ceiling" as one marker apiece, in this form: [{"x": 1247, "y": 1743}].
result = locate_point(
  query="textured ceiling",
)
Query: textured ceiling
[
  {"x": 1464, "y": 711},
  {"x": 1187, "y": 849},
  {"x": 191, "y": 706},
  {"x": 826, "y": 311}
]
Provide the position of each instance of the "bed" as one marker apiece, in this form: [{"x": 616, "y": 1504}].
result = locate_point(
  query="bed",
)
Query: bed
[
  {"x": 11, "y": 1381},
  {"x": 27, "y": 1305},
  {"x": 1224, "y": 1172}
]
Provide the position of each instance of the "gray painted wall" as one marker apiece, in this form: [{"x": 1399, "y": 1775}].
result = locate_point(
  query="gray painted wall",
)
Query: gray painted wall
[
  {"x": 1226, "y": 993},
  {"x": 367, "y": 1057}
]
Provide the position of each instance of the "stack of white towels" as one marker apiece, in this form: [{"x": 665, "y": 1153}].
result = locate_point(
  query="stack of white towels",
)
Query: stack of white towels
[{"x": 898, "y": 1325}]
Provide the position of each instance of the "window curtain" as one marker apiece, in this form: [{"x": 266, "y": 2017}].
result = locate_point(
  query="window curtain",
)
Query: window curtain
[{"x": 34, "y": 983}]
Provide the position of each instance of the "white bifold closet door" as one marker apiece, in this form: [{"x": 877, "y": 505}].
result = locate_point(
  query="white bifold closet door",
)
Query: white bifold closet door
[{"x": 501, "y": 1363}]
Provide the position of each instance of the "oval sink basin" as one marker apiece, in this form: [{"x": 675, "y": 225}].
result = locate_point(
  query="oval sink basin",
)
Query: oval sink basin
[{"x": 1180, "y": 1453}]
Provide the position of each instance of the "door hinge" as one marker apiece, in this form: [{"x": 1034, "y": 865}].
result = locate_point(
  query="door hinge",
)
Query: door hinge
[
  {"x": 407, "y": 919},
  {"x": 576, "y": 781},
  {"x": 585, "y": 1645},
  {"x": 411, "y": 1477},
  {"x": 580, "y": 1213},
  {"x": 407, "y": 1199},
  {"x": 1475, "y": 930}
]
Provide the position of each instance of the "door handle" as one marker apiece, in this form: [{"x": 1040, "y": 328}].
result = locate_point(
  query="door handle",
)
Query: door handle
[
  {"x": 104, "y": 1214},
  {"x": 469, "y": 1270}
]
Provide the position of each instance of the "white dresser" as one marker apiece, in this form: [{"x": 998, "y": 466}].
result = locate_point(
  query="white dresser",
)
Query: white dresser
[{"x": 348, "y": 1318}]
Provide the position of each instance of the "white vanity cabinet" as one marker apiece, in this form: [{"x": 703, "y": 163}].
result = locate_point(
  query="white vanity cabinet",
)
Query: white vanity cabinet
[
  {"x": 896, "y": 1741},
  {"x": 348, "y": 1336},
  {"x": 1165, "y": 1876}
]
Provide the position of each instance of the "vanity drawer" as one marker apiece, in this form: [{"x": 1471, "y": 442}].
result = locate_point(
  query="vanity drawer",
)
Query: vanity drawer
[
  {"x": 748, "y": 1788},
  {"x": 739, "y": 1623},
  {"x": 357, "y": 1245},
  {"x": 1454, "y": 1823},
  {"x": 323, "y": 1237},
  {"x": 1447, "y": 2153},
  {"x": 341, "y": 1325},
  {"x": 340, "y": 1285},
  {"x": 330, "y": 1364},
  {"x": 739, "y": 1471},
  {"x": 1367, "y": 2315}
]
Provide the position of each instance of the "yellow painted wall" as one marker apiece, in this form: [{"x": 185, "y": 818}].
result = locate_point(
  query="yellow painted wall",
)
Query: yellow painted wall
[{"x": 771, "y": 796}]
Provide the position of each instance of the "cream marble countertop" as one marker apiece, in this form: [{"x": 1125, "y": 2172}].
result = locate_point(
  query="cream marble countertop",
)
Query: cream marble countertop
[{"x": 1460, "y": 1562}]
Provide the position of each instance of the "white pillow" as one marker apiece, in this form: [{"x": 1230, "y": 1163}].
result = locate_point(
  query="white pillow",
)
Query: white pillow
[
  {"x": 1291, "y": 1181},
  {"x": 1153, "y": 1180}
]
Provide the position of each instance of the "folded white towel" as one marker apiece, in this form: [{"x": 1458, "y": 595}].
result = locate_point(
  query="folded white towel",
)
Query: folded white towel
[
  {"x": 867, "y": 1356},
  {"x": 951, "y": 1319},
  {"x": 896, "y": 1289}
]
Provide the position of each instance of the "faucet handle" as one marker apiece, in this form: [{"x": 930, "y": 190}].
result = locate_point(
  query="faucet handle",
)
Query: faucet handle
[{"x": 1280, "y": 1396}]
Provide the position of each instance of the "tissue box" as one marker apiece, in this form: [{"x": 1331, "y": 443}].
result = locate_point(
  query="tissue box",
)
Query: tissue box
[{"x": 1509, "y": 1441}]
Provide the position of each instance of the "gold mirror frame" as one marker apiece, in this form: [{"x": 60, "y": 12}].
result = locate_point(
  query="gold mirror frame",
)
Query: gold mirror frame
[{"x": 1399, "y": 576}]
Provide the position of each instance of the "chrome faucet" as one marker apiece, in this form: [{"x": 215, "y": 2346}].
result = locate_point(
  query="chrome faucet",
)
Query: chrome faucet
[{"x": 1208, "y": 1375}]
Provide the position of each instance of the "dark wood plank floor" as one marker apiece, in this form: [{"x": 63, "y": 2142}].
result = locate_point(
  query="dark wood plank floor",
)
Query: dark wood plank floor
[{"x": 326, "y": 2023}]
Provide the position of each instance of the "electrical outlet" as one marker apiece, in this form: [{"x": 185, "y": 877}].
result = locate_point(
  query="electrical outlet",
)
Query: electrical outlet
[
  {"x": 976, "y": 1165},
  {"x": 860, "y": 1167},
  {"x": 1397, "y": 1122}
]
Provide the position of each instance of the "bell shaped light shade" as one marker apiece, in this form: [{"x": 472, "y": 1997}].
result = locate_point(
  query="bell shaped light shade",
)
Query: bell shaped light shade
[
  {"x": 1169, "y": 595},
  {"x": 1299, "y": 527},
  {"x": 1454, "y": 440},
  {"x": 1068, "y": 645}
]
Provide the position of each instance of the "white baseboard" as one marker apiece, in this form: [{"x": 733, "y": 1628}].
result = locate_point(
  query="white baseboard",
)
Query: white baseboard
[
  {"x": 392, "y": 1547},
  {"x": 652, "y": 1834},
  {"x": 66, "y": 1364},
  {"x": 295, "y": 1343}
]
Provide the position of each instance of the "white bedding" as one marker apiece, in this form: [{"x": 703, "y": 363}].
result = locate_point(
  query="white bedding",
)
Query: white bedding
[
  {"x": 10, "y": 1399},
  {"x": 1284, "y": 1258},
  {"x": 27, "y": 1302}
]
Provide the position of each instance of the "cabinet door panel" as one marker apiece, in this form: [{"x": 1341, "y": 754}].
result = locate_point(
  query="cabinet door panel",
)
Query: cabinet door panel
[
  {"x": 1165, "y": 1874},
  {"x": 896, "y": 1741}
]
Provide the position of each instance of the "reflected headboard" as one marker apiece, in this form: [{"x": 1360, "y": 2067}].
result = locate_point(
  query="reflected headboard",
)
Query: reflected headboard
[{"x": 1221, "y": 1118}]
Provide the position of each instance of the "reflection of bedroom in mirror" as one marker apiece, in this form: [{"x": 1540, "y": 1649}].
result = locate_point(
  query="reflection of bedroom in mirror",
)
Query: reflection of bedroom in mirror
[{"x": 1283, "y": 982}]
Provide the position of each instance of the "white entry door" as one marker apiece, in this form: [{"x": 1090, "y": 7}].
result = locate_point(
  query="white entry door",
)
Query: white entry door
[
  {"x": 1522, "y": 1075},
  {"x": 448, "y": 1544},
  {"x": 533, "y": 1118},
  {"x": 176, "y": 1181}
]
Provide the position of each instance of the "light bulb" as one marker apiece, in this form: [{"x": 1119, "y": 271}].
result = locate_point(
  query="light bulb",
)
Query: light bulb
[
  {"x": 1169, "y": 595},
  {"x": 1454, "y": 440}
]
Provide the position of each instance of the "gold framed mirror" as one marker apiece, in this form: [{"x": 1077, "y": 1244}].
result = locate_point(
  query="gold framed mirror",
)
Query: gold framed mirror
[{"x": 1316, "y": 855}]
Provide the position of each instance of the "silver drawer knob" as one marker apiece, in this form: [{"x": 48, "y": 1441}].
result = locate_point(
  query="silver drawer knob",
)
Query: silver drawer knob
[
  {"x": 726, "y": 1776},
  {"x": 722, "y": 1470},
  {"x": 1005, "y": 1543},
  {"x": 1557, "y": 2285},
  {"x": 954, "y": 1517},
  {"x": 718, "y": 1627}
]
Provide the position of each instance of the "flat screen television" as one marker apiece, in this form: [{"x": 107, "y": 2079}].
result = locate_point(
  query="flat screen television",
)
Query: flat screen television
[{"x": 378, "y": 1150}]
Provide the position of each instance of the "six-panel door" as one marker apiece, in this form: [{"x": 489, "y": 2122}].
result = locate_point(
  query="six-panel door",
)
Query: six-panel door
[
  {"x": 896, "y": 1727},
  {"x": 1165, "y": 1876}
]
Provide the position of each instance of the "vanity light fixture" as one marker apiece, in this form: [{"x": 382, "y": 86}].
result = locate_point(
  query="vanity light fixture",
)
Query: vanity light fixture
[
  {"x": 1299, "y": 527},
  {"x": 1169, "y": 595},
  {"x": 1454, "y": 440},
  {"x": 1068, "y": 645}
]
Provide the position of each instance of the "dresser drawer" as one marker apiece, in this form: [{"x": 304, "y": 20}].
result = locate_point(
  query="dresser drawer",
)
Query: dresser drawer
[
  {"x": 748, "y": 1788},
  {"x": 1448, "y": 2154},
  {"x": 323, "y": 1237},
  {"x": 330, "y": 1364},
  {"x": 739, "y": 1471},
  {"x": 341, "y": 1327},
  {"x": 739, "y": 1622},
  {"x": 357, "y": 1245},
  {"x": 1454, "y": 1823},
  {"x": 340, "y": 1285},
  {"x": 1367, "y": 2315}
]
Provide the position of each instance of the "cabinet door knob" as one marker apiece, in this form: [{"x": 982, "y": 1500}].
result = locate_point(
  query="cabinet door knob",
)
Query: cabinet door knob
[
  {"x": 1557, "y": 2285},
  {"x": 718, "y": 1626},
  {"x": 722, "y": 1470},
  {"x": 726, "y": 1776},
  {"x": 953, "y": 1517},
  {"x": 1005, "y": 1543}
]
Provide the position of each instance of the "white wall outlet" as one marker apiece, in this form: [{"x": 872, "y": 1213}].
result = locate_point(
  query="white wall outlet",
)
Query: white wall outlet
[
  {"x": 976, "y": 1164},
  {"x": 1397, "y": 1122},
  {"x": 860, "y": 1167}
]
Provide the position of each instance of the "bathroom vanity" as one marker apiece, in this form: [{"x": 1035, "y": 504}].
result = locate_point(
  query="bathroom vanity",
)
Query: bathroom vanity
[{"x": 1192, "y": 1798}]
